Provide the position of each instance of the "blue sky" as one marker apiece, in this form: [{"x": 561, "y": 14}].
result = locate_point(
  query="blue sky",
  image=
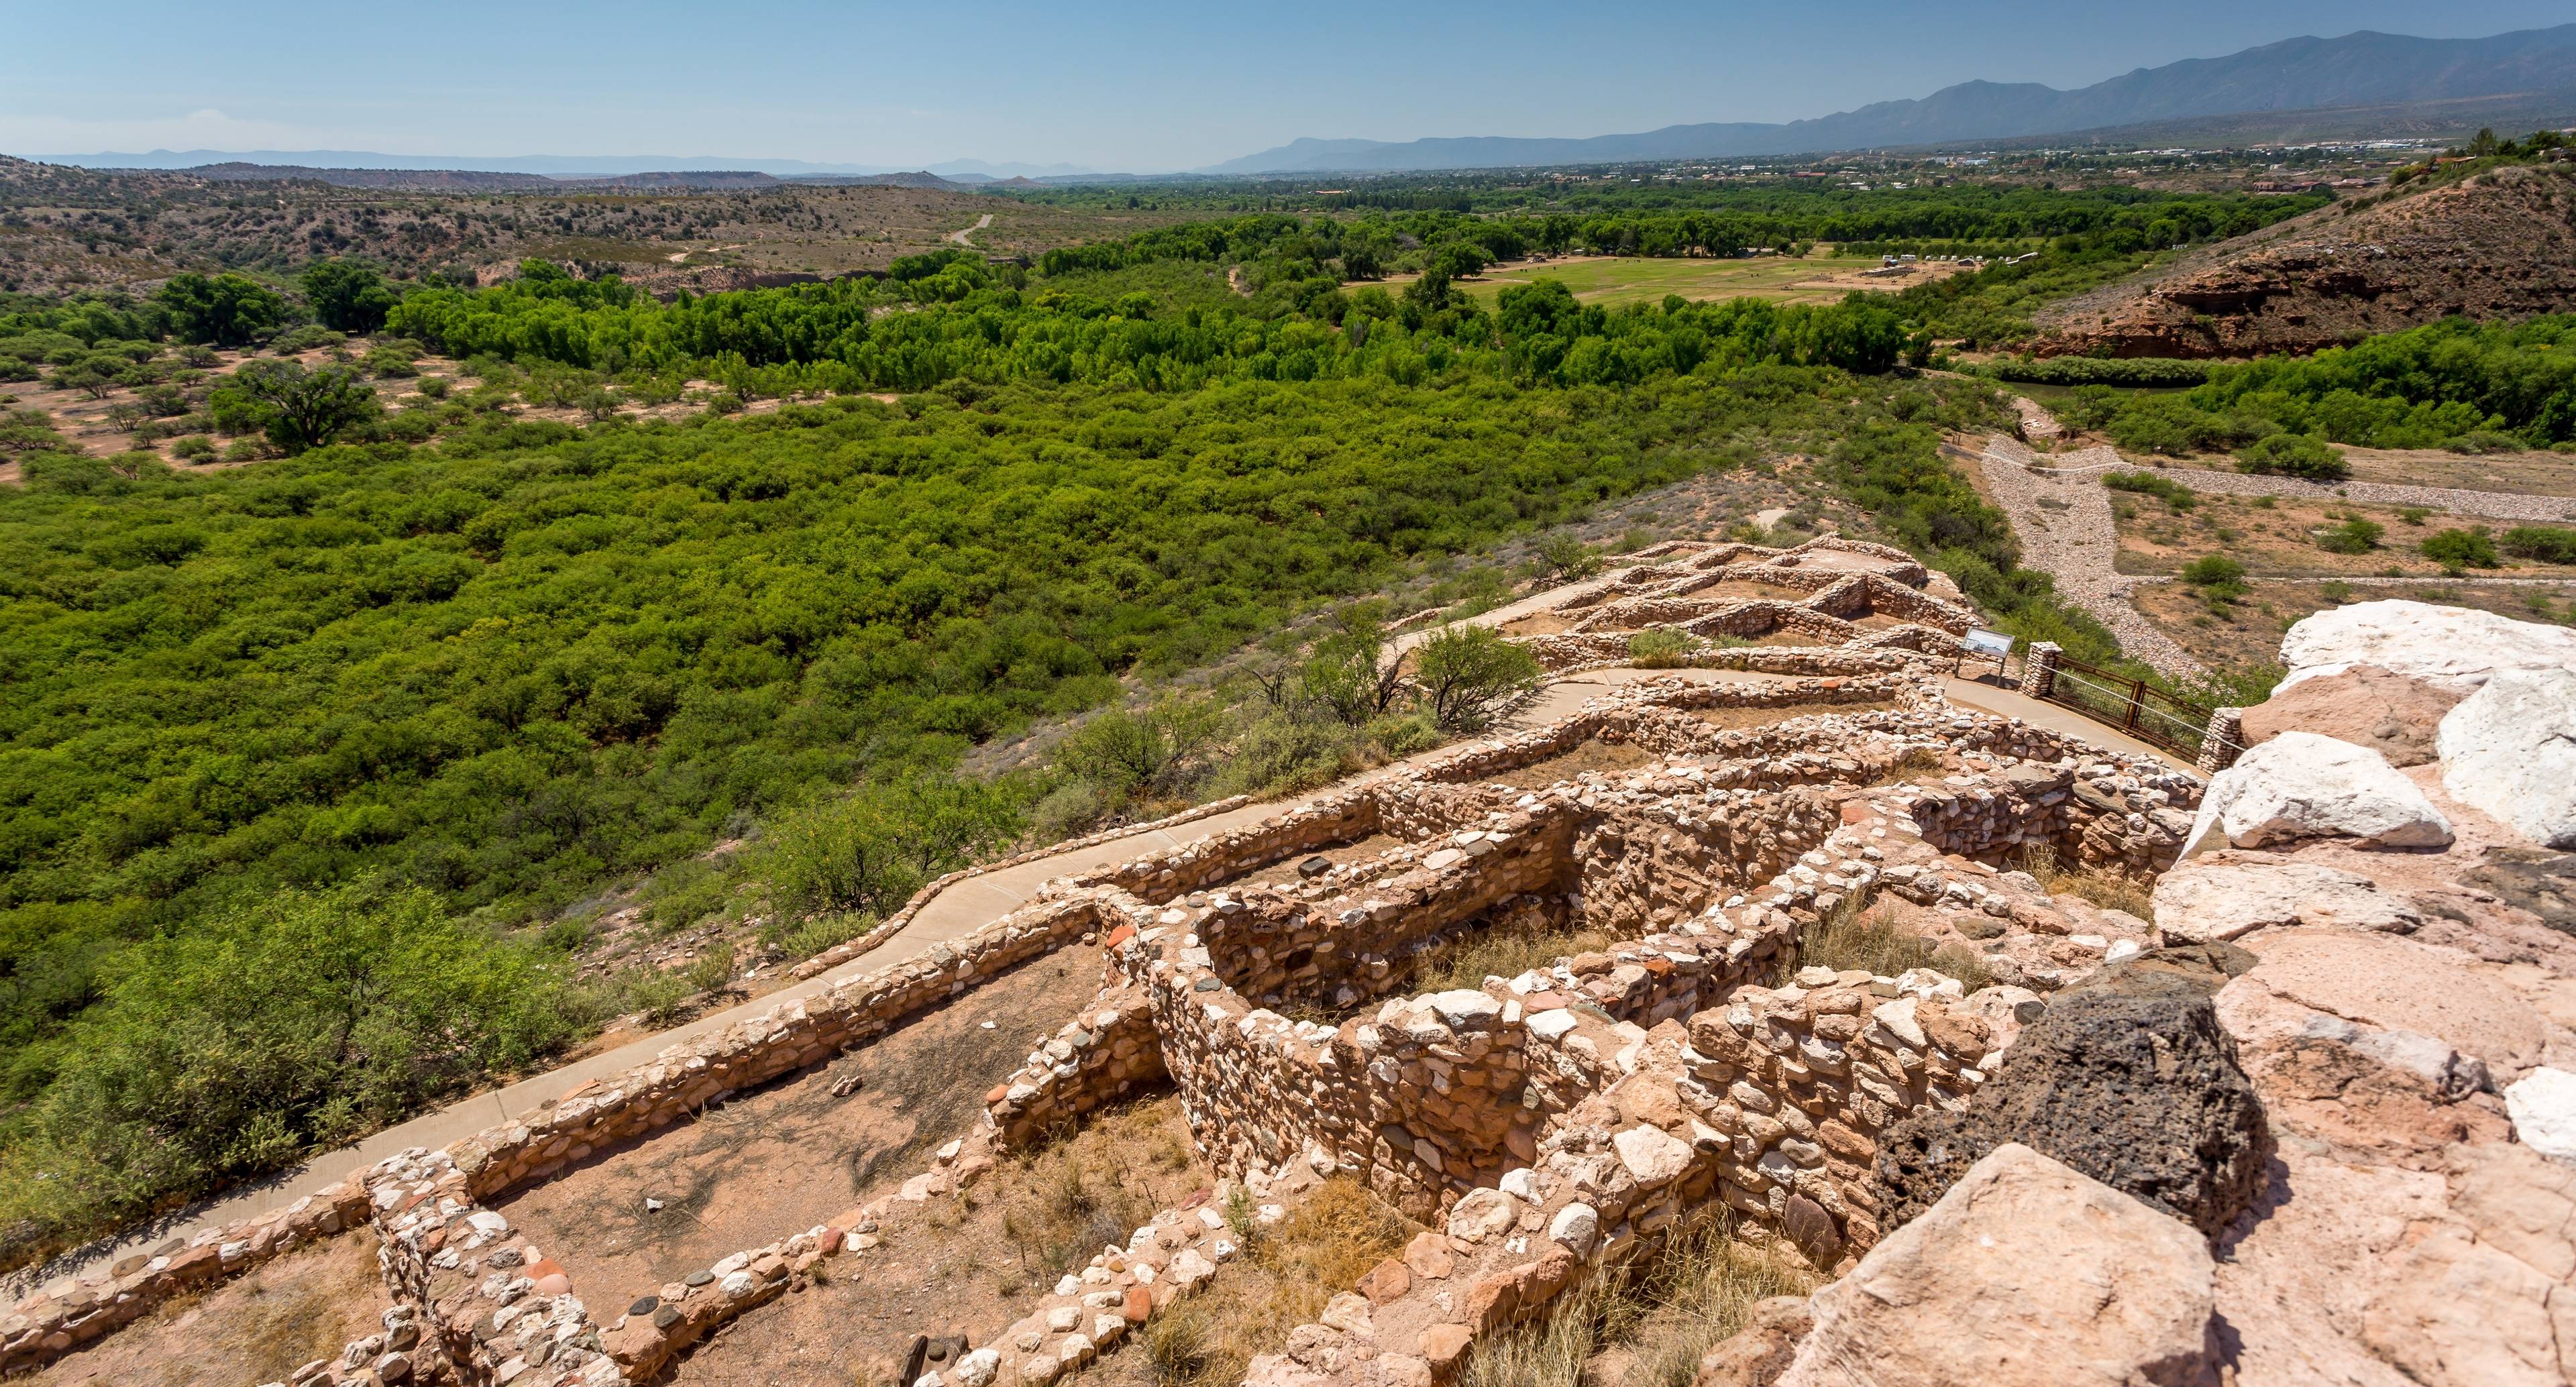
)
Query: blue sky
[{"x": 1116, "y": 86}]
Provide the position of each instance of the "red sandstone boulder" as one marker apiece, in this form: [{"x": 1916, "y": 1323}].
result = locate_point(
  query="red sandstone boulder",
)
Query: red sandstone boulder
[
  {"x": 2026, "y": 1274},
  {"x": 2365, "y": 705}
]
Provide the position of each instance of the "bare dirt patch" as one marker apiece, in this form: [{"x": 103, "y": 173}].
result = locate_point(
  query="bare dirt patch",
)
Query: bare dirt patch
[
  {"x": 1607, "y": 757},
  {"x": 791, "y": 1155},
  {"x": 2278, "y": 536},
  {"x": 259, "y": 1327},
  {"x": 966, "y": 1264}
]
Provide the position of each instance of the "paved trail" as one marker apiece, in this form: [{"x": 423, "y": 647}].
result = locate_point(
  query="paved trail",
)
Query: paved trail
[{"x": 959, "y": 236}]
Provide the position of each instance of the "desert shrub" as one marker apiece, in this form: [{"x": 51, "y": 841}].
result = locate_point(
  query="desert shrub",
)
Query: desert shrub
[
  {"x": 1664, "y": 647},
  {"x": 2213, "y": 570},
  {"x": 288, "y": 1021},
  {"x": 869, "y": 850},
  {"x": 2544, "y": 543},
  {"x": 1286, "y": 1275},
  {"x": 2457, "y": 549},
  {"x": 194, "y": 446},
  {"x": 2173, "y": 493},
  {"x": 1858, "y": 935},
  {"x": 2109, "y": 890},
  {"x": 2300, "y": 455},
  {"x": 1564, "y": 558},
  {"x": 2354, "y": 536},
  {"x": 1693, "y": 1286},
  {"x": 1463, "y": 670},
  {"x": 2485, "y": 440},
  {"x": 1470, "y": 955},
  {"x": 2102, "y": 371}
]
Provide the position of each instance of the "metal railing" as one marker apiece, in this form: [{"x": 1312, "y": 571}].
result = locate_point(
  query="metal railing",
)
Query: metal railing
[{"x": 2134, "y": 706}]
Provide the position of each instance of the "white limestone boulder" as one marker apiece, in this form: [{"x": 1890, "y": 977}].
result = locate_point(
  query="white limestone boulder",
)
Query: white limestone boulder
[
  {"x": 2510, "y": 749},
  {"x": 2302, "y": 785},
  {"x": 2025, "y": 1274},
  {"x": 2452, "y": 646},
  {"x": 2543, "y": 1106}
]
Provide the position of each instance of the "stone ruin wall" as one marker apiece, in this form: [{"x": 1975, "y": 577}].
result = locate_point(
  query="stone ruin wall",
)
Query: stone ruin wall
[
  {"x": 428, "y": 1203},
  {"x": 1432, "y": 1098}
]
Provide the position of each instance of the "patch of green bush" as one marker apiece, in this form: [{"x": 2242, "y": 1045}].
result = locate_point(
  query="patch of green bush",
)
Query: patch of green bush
[
  {"x": 2300, "y": 455},
  {"x": 2134, "y": 371},
  {"x": 2459, "y": 549},
  {"x": 2354, "y": 536},
  {"x": 2174, "y": 494},
  {"x": 2542, "y": 543}
]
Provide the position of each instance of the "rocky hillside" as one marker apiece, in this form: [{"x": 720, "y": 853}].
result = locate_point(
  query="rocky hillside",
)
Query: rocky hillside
[{"x": 2500, "y": 245}]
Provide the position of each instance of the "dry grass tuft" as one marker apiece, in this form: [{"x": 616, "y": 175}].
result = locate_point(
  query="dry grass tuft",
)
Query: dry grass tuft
[
  {"x": 1074, "y": 1196},
  {"x": 1469, "y": 956},
  {"x": 2108, "y": 890},
  {"x": 1912, "y": 762},
  {"x": 1283, "y": 1279},
  {"x": 1860, "y": 935},
  {"x": 1659, "y": 1314}
]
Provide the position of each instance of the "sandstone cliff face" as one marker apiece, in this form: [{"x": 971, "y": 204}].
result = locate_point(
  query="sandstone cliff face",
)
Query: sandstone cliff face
[{"x": 2499, "y": 246}]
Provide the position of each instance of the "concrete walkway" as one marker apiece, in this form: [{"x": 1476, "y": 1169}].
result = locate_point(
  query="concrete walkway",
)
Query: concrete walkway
[
  {"x": 962, "y": 909},
  {"x": 2012, "y": 703}
]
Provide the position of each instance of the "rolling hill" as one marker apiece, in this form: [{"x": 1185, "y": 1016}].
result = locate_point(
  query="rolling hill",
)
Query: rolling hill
[{"x": 2496, "y": 246}]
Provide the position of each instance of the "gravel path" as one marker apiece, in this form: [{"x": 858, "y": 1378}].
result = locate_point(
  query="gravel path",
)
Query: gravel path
[
  {"x": 2495, "y": 505},
  {"x": 2063, "y": 518},
  {"x": 2036, "y": 421}
]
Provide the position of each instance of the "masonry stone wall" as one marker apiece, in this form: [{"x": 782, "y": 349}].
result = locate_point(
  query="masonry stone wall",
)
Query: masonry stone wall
[{"x": 65, "y": 1315}]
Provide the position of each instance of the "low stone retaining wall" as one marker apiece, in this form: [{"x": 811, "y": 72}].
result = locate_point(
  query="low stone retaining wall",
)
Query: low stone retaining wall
[
  {"x": 64, "y": 1315},
  {"x": 499, "y": 1309},
  {"x": 1105, "y": 1054}
]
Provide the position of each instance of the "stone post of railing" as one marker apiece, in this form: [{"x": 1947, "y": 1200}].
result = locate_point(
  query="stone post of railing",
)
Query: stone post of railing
[
  {"x": 2039, "y": 669},
  {"x": 2223, "y": 741}
]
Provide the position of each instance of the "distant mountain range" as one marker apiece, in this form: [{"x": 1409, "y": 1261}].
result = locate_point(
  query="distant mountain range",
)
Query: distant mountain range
[
  {"x": 2303, "y": 74},
  {"x": 2361, "y": 83},
  {"x": 579, "y": 167}
]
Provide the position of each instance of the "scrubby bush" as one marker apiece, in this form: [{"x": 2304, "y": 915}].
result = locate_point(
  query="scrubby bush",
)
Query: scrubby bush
[
  {"x": 2102, "y": 371},
  {"x": 2211, "y": 570},
  {"x": 1462, "y": 670},
  {"x": 2543, "y": 543},
  {"x": 287, "y": 1021},
  {"x": 2174, "y": 494},
  {"x": 1663, "y": 647},
  {"x": 1564, "y": 559},
  {"x": 2294, "y": 455},
  {"x": 867, "y": 851},
  {"x": 2355, "y": 536},
  {"x": 2459, "y": 549}
]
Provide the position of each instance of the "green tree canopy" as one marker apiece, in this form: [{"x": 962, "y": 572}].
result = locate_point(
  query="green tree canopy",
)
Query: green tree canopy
[{"x": 228, "y": 310}]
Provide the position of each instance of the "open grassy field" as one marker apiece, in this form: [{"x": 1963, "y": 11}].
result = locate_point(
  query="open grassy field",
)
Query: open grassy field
[{"x": 1612, "y": 280}]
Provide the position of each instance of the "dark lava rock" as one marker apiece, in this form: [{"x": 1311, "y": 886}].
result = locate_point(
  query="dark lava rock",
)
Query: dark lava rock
[
  {"x": 2127, "y": 1077},
  {"x": 2543, "y": 883}
]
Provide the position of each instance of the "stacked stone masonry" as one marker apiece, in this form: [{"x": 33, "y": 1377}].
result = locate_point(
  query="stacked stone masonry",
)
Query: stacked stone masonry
[{"x": 1709, "y": 863}]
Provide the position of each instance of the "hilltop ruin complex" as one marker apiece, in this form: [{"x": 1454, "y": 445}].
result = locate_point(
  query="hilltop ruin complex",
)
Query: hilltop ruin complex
[{"x": 2307, "y": 1123}]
